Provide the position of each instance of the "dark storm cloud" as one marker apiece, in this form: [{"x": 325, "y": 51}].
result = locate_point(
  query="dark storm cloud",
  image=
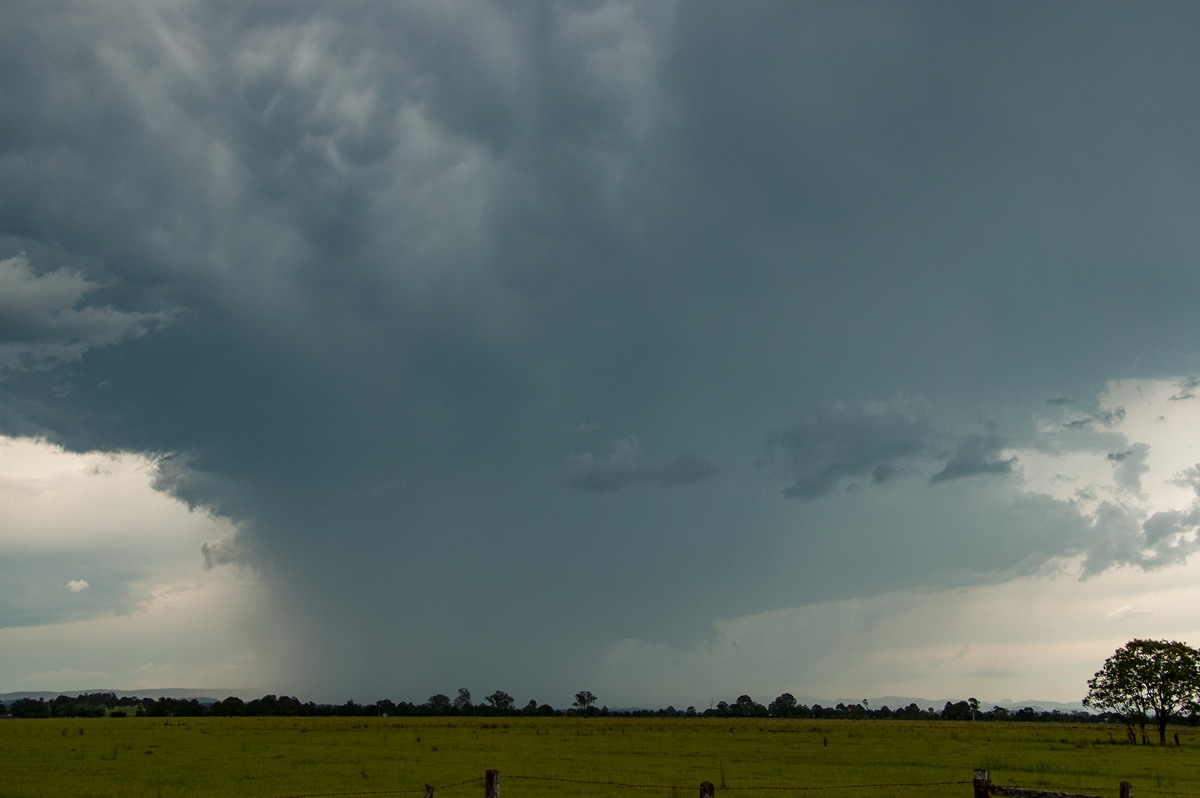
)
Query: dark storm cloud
[{"x": 407, "y": 245}]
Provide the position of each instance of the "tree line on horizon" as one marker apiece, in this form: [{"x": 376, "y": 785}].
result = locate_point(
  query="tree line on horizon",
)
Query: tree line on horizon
[
  {"x": 1142, "y": 677},
  {"x": 500, "y": 703}
]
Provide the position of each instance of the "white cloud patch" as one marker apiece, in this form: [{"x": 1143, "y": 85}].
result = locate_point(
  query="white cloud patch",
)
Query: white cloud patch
[
  {"x": 203, "y": 634},
  {"x": 44, "y": 320},
  {"x": 148, "y": 615},
  {"x": 1131, "y": 475},
  {"x": 67, "y": 513},
  {"x": 1125, "y": 612}
]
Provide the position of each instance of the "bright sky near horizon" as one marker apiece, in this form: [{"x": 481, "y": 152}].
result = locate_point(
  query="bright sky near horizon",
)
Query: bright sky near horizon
[{"x": 671, "y": 350}]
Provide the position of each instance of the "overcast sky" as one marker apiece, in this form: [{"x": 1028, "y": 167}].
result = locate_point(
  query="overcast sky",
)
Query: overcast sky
[{"x": 672, "y": 351}]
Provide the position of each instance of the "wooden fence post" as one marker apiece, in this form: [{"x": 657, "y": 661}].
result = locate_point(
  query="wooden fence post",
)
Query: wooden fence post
[
  {"x": 707, "y": 790},
  {"x": 491, "y": 784},
  {"x": 983, "y": 783},
  {"x": 1126, "y": 790}
]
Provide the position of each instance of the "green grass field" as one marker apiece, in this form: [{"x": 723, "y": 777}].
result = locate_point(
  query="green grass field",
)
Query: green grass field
[{"x": 278, "y": 757}]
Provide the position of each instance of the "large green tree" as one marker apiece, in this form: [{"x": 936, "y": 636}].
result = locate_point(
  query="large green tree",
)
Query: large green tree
[
  {"x": 784, "y": 706},
  {"x": 231, "y": 706},
  {"x": 501, "y": 701},
  {"x": 1143, "y": 676},
  {"x": 584, "y": 700},
  {"x": 438, "y": 704}
]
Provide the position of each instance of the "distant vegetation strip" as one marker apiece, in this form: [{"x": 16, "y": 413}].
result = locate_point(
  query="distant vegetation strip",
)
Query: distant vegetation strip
[{"x": 107, "y": 704}]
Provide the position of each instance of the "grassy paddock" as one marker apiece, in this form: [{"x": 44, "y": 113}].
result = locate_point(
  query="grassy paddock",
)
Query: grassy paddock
[{"x": 278, "y": 757}]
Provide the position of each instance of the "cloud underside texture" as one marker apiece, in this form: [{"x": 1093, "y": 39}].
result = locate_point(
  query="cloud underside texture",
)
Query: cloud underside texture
[{"x": 521, "y": 325}]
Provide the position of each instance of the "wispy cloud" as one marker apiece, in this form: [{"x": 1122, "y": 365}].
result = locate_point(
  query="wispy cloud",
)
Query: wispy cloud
[{"x": 621, "y": 470}]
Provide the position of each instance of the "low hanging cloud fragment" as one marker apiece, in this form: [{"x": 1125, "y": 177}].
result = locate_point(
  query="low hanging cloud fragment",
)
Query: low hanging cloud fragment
[
  {"x": 975, "y": 457},
  {"x": 1126, "y": 531},
  {"x": 621, "y": 470},
  {"x": 1169, "y": 537},
  {"x": 1129, "y": 467},
  {"x": 1109, "y": 419},
  {"x": 43, "y": 320},
  {"x": 225, "y": 550},
  {"x": 1187, "y": 389},
  {"x": 848, "y": 444},
  {"x": 1123, "y": 536}
]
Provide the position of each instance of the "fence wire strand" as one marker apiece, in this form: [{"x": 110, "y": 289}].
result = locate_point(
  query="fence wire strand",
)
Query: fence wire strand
[
  {"x": 726, "y": 788},
  {"x": 856, "y": 786},
  {"x": 361, "y": 792},
  {"x": 600, "y": 783},
  {"x": 420, "y": 790}
]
